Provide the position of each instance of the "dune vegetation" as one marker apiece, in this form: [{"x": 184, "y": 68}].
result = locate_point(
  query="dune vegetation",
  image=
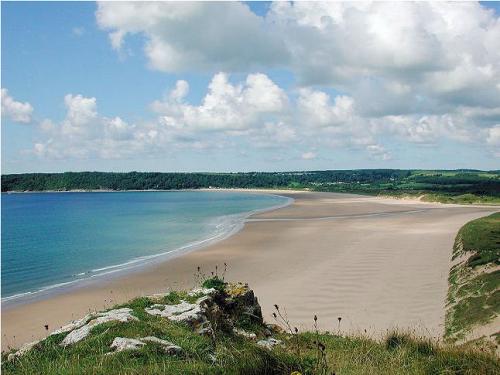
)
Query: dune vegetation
[{"x": 474, "y": 292}]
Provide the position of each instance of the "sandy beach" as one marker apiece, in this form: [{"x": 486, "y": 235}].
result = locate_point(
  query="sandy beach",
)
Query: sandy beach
[{"x": 377, "y": 263}]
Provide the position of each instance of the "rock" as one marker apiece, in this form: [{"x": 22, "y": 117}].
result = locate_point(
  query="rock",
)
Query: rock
[
  {"x": 122, "y": 343},
  {"x": 241, "y": 300},
  {"x": 237, "y": 290},
  {"x": 269, "y": 343},
  {"x": 202, "y": 291},
  {"x": 183, "y": 312},
  {"x": 205, "y": 300},
  {"x": 22, "y": 350},
  {"x": 121, "y": 315},
  {"x": 73, "y": 325},
  {"x": 167, "y": 346},
  {"x": 243, "y": 333},
  {"x": 214, "y": 308}
]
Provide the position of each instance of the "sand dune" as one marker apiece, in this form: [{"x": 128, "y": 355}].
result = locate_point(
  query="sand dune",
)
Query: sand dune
[{"x": 378, "y": 263}]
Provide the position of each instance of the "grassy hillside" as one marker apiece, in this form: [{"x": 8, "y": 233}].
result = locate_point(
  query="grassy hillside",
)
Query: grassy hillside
[
  {"x": 224, "y": 350},
  {"x": 459, "y": 186},
  {"x": 474, "y": 293}
]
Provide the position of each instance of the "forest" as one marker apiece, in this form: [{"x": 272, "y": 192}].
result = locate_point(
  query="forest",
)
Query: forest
[{"x": 440, "y": 185}]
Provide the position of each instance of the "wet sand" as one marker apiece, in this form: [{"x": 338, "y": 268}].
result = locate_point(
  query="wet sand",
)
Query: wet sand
[{"x": 377, "y": 263}]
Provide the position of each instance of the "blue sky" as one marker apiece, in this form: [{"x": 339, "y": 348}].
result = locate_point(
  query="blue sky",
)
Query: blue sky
[{"x": 263, "y": 87}]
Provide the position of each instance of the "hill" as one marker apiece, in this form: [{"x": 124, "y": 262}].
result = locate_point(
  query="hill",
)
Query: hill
[
  {"x": 458, "y": 186},
  {"x": 218, "y": 328}
]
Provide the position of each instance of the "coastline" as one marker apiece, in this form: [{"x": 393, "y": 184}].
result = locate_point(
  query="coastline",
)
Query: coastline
[
  {"x": 236, "y": 223},
  {"x": 393, "y": 275}
]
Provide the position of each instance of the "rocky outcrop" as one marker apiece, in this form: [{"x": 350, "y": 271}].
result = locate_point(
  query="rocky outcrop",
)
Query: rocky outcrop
[
  {"x": 84, "y": 326},
  {"x": 120, "y": 344},
  {"x": 22, "y": 350},
  {"x": 205, "y": 310},
  {"x": 241, "y": 300},
  {"x": 223, "y": 308},
  {"x": 182, "y": 312}
]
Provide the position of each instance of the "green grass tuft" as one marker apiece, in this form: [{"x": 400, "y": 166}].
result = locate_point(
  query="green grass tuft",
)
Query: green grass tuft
[{"x": 214, "y": 282}]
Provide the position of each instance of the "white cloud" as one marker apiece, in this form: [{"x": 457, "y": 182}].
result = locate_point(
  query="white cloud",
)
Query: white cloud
[
  {"x": 493, "y": 138},
  {"x": 14, "y": 110},
  {"x": 195, "y": 35},
  {"x": 399, "y": 58},
  {"x": 316, "y": 108},
  {"x": 226, "y": 106},
  {"x": 379, "y": 152},
  {"x": 84, "y": 133},
  {"x": 310, "y": 155},
  {"x": 257, "y": 113}
]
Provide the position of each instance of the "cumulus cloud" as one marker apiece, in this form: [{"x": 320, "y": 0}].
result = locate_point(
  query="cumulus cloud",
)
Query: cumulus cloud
[
  {"x": 255, "y": 112},
  {"x": 420, "y": 72},
  {"x": 84, "y": 133},
  {"x": 378, "y": 151},
  {"x": 493, "y": 138},
  {"x": 316, "y": 108},
  {"x": 198, "y": 35},
  {"x": 310, "y": 155},
  {"x": 444, "y": 53},
  {"x": 226, "y": 106},
  {"x": 14, "y": 110}
]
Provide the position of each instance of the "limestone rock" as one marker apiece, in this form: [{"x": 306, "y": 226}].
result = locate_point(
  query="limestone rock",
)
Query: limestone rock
[
  {"x": 121, "y": 315},
  {"x": 182, "y": 312},
  {"x": 269, "y": 343},
  {"x": 202, "y": 291},
  {"x": 167, "y": 346},
  {"x": 73, "y": 325},
  {"x": 22, "y": 350},
  {"x": 122, "y": 343},
  {"x": 241, "y": 300},
  {"x": 243, "y": 333}
]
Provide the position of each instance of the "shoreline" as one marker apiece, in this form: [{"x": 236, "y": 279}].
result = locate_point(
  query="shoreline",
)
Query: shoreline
[
  {"x": 140, "y": 264},
  {"x": 405, "y": 198},
  {"x": 335, "y": 258}
]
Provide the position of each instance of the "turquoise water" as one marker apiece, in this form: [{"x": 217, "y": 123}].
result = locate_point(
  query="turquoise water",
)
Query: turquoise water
[{"x": 53, "y": 239}]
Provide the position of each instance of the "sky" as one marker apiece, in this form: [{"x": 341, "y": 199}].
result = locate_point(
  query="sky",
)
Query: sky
[{"x": 233, "y": 86}]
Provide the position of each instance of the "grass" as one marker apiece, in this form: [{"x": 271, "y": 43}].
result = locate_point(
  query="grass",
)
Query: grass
[
  {"x": 480, "y": 238},
  {"x": 474, "y": 291},
  {"x": 457, "y": 187},
  {"x": 305, "y": 353}
]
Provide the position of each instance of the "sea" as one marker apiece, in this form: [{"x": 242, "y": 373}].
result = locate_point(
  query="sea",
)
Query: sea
[{"x": 51, "y": 241}]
